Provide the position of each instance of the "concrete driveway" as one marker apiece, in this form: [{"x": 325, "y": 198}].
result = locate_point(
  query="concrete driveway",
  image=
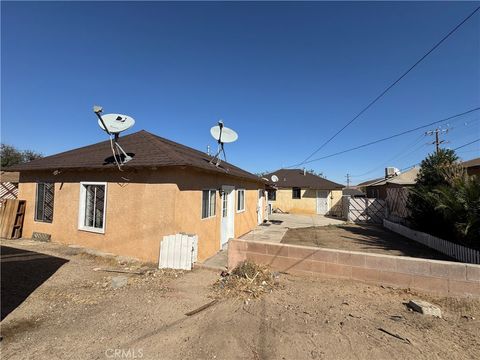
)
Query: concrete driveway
[{"x": 278, "y": 225}]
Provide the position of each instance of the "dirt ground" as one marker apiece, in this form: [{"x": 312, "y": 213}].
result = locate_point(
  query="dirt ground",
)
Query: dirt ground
[
  {"x": 363, "y": 238},
  {"x": 74, "y": 313}
]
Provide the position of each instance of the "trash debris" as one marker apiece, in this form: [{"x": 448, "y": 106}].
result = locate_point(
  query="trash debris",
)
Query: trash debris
[
  {"x": 406, "y": 340},
  {"x": 201, "y": 308},
  {"x": 248, "y": 280},
  {"x": 425, "y": 308},
  {"x": 120, "y": 271}
]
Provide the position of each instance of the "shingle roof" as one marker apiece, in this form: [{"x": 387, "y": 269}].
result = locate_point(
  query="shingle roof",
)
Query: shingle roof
[
  {"x": 370, "y": 182},
  {"x": 147, "y": 150},
  {"x": 9, "y": 176},
  {"x": 471, "y": 163},
  {"x": 294, "y": 178}
]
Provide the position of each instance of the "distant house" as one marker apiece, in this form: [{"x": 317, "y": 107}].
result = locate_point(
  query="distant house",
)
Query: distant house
[
  {"x": 353, "y": 192},
  {"x": 472, "y": 166},
  {"x": 301, "y": 192},
  {"x": 80, "y": 197},
  {"x": 377, "y": 188},
  {"x": 8, "y": 185}
]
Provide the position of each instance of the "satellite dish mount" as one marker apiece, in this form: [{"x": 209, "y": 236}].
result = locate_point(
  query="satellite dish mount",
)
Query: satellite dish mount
[
  {"x": 113, "y": 125},
  {"x": 223, "y": 135}
]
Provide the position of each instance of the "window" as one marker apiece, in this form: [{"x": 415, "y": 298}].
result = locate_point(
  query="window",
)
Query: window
[
  {"x": 92, "y": 207},
  {"x": 44, "y": 202},
  {"x": 272, "y": 195},
  {"x": 240, "y": 200},
  {"x": 208, "y": 203},
  {"x": 296, "y": 193}
]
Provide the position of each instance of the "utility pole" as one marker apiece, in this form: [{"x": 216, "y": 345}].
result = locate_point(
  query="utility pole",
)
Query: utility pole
[
  {"x": 437, "y": 133},
  {"x": 348, "y": 180}
]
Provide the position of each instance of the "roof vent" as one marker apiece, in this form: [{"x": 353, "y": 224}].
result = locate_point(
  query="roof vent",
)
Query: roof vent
[
  {"x": 391, "y": 171},
  {"x": 304, "y": 172}
]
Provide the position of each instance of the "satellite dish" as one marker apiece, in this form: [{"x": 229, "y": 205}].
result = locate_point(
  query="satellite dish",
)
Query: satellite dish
[
  {"x": 115, "y": 123},
  {"x": 274, "y": 178},
  {"x": 223, "y": 134}
]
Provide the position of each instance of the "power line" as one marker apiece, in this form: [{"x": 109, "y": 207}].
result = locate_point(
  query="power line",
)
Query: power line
[
  {"x": 393, "y": 136},
  {"x": 470, "y": 143},
  {"x": 389, "y": 87}
]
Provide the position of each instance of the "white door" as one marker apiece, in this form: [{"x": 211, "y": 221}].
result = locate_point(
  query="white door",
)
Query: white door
[
  {"x": 322, "y": 202},
  {"x": 227, "y": 222},
  {"x": 260, "y": 207}
]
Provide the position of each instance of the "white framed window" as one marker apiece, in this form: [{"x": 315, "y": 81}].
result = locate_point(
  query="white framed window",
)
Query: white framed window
[
  {"x": 44, "y": 202},
  {"x": 240, "y": 200},
  {"x": 208, "y": 203},
  {"x": 93, "y": 205}
]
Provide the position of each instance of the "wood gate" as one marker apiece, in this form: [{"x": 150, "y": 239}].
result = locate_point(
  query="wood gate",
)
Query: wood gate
[{"x": 365, "y": 210}]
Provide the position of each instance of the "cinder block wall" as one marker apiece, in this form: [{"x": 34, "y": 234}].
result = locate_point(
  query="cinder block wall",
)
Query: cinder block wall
[{"x": 432, "y": 276}]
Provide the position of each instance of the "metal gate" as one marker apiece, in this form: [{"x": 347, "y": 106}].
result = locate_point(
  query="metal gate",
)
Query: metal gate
[{"x": 365, "y": 210}]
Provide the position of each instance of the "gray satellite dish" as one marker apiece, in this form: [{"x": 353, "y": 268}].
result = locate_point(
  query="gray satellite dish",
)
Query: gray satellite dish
[
  {"x": 113, "y": 125},
  {"x": 274, "y": 178},
  {"x": 223, "y": 135},
  {"x": 116, "y": 123}
]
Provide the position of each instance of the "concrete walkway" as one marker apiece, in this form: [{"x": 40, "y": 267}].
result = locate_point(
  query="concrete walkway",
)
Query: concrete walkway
[{"x": 278, "y": 225}]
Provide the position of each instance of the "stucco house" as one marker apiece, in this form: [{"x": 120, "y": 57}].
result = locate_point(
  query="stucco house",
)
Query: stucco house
[
  {"x": 378, "y": 188},
  {"x": 81, "y": 197},
  {"x": 300, "y": 192}
]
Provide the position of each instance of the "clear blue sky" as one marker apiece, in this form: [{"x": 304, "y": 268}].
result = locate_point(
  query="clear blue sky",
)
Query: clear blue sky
[{"x": 286, "y": 76}]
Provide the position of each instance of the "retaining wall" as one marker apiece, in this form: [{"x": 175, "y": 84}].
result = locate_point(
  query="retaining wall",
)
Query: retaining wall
[{"x": 433, "y": 276}]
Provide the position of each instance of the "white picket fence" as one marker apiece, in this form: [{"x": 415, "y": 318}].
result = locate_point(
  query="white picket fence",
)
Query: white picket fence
[
  {"x": 178, "y": 251},
  {"x": 453, "y": 250}
]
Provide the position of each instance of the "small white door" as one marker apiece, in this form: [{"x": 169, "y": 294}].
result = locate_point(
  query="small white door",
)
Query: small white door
[
  {"x": 322, "y": 202},
  {"x": 227, "y": 214},
  {"x": 260, "y": 207}
]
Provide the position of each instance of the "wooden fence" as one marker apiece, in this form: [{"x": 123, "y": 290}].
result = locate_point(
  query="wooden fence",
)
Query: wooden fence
[
  {"x": 451, "y": 249},
  {"x": 363, "y": 210},
  {"x": 396, "y": 204}
]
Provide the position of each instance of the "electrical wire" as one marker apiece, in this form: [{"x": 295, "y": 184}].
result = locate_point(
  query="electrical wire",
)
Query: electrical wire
[
  {"x": 388, "y": 88},
  {"x": 393, "y": 136}
]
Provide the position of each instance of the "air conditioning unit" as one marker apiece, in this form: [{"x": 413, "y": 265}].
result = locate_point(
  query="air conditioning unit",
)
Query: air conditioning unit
[{"x": 391, "y": 171}]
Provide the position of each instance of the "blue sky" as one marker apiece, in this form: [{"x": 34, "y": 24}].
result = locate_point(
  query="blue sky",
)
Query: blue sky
[{"x": 286, "y": 76}]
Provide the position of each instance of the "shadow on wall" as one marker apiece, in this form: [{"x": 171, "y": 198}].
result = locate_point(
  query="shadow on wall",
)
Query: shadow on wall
[{"x": 22, "y": 272}]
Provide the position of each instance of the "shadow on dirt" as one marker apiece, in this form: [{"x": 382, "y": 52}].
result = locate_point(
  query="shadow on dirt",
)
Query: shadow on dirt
[{"x": 22, "y": 272}]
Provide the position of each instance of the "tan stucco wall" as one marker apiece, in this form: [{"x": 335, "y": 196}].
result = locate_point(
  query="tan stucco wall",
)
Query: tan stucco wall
[
  {"x": 308, "y": 202},
  {"x": 139, "y": 212}
]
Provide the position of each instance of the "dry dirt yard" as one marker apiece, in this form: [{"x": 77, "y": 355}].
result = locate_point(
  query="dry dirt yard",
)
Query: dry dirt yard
[
  {"x": 75, "y": 314},
  {"x": 364, "y": 238}
]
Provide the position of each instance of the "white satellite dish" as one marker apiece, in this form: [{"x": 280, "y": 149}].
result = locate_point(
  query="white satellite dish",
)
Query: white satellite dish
[
  {"x": 116, "y": 123},
  {"x": 274, "y": 178},
  {"x": 113, "y": 125},
  {"x": 223, "y": 134}
]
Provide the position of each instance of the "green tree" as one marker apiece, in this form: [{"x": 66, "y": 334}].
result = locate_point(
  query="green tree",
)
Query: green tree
[{"x": 10, "y": 155}]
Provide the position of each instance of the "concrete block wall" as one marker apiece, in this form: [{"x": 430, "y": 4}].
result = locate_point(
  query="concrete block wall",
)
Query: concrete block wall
[{"x": 432, "y": 276}]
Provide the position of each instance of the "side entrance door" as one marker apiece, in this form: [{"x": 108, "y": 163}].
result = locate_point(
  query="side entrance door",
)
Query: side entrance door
[
  {"x": 260, "y": 207},
  {"x": 227, "y": 221},
  {"x": 322, "y": 202}
]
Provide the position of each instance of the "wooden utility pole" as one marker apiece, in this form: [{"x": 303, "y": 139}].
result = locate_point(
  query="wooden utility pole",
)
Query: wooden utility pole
[{"x": 437, "y": 133}]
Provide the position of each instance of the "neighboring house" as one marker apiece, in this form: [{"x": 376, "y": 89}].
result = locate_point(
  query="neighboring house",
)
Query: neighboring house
[
  {"x": 300, "y": 192},
  {"x": 472, "y": 166},
  {"x": 8, "y": 185},
  {"x": 353, "y": 192},
  {"x": 80, "y": 197},
  {"x": 377, "y": 188}
]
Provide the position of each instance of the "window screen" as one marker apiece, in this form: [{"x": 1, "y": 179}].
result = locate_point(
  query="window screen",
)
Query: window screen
[{"x": 94, "y": 206}]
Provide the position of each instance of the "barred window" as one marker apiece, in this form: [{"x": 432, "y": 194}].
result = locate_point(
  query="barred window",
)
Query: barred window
[
  {"x": 92, "y": 206},
  {"x": 296, "y": 193},
  {"x": 240, "y": 200},
  {"x": 208, "y": 203},
  {"x": 44, "y": 202}
]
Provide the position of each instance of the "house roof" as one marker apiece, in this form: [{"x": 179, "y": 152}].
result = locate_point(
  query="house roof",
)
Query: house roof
[
  {"x": 147, "y": 150},
  {"x": 406, "y": 178},
  {"x": 370, "y": 182},
  {"x": 352, "y": 192},
  {"x": 12, "y": 176},
  {"x": 295, "y": 178},
  {"x": 471, "y": 163}
]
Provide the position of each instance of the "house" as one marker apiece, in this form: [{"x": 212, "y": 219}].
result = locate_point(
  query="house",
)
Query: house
[
  {"x": 472, "y": 166},
  {"x": 300, "y": 192},
  {"x": 378, "y": 188},
  {"x": 353, "y": 192},
  {"x": 8, "y": 185},
  {"x": 81, "y": 197}
]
